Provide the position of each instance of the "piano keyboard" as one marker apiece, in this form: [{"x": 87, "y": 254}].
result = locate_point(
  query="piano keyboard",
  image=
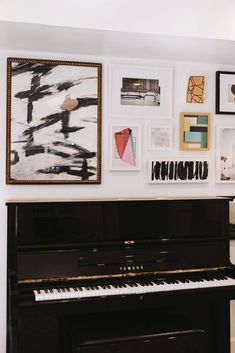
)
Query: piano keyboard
[{"x": 130, "y": 288}]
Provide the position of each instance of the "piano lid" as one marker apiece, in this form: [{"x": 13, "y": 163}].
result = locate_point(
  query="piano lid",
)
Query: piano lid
[{"x": 120, "y": 222}]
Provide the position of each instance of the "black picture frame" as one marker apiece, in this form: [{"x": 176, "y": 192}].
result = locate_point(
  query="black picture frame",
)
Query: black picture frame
[{"x": 224, "y": 83}]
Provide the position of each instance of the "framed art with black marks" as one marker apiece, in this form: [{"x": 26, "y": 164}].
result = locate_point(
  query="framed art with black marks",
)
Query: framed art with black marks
[{"x": 53, "y": 122}]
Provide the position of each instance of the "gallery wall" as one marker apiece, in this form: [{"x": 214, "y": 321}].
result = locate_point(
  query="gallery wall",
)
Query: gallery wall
[{"x": 116, "y": 183}]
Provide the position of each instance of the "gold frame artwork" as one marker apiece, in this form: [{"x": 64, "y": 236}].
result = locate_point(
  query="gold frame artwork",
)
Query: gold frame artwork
[
  {"x": 53, "y": 122},
  {"x": 194, "y": 131}
]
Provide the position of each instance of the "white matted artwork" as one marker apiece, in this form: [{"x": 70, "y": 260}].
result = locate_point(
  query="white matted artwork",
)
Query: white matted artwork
[
  {"x": 125, "y": 147},
  {"x": 140, "y": 91},
  {"x": 178, "y": 170},
  {"x": 225, "y": 161},
  {"x": 159, "y": 137}
]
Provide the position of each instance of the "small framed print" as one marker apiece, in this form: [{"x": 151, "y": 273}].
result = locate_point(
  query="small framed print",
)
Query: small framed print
[
  {"x": 225, "y": 154},
  {"x": 178, "y": 170},
  {"x": 140, "y": 91},
  {"x": 195, "y": 132},
  {"x": 159, "y": 137},
  {"x": 225, "y": 92},
  {"x": 125, "y": 147}
]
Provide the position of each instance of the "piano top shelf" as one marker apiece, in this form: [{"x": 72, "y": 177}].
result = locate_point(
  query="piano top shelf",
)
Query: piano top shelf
[{"x": 162, "y": 198}]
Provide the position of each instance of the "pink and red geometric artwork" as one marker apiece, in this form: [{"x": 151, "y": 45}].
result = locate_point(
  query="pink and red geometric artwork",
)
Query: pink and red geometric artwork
[{"x": 126, "y": 146}]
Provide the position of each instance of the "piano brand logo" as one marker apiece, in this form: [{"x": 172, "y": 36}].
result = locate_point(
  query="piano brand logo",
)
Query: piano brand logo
[{"x": 131, "y": 268}]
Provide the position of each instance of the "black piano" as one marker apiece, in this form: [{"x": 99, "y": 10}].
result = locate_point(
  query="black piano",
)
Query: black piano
[{"x": 119, "y": 276}]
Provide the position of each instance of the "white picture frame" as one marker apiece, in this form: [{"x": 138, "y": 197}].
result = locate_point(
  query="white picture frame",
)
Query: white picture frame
[
  {"x": 159, "y": 137},
  {"x": 125, "y": 147},
  {"x": 225, "y": 154},
  {"x": 178, "y": 170},
  {"x": 147, "y": 99}
]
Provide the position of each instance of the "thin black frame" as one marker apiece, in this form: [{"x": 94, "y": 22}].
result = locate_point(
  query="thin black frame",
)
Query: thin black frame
[{"x": 217, "y": 92}]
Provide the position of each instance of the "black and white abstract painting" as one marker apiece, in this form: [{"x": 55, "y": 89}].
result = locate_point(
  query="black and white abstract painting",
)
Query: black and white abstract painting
[
  {"x": 178, "y": 171},
  {"x": 53, "y": 122}
]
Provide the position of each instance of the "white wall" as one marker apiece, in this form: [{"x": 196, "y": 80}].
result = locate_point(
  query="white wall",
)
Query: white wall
[
  {"x": 114, "y": 184},
  {"x": 203, "y": 18}
]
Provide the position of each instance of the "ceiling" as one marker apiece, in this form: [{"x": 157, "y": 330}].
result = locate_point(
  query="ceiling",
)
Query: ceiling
[{"x": 69, "y": 40}]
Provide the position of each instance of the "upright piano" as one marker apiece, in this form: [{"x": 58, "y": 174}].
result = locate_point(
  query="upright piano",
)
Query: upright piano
[{"x": 119, "y": 276}]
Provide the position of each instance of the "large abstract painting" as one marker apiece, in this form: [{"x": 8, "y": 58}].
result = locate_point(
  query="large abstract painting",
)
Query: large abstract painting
[
  {"x": 125, "y": 147},
  {"x": 53, "y": 122},
  {"x": 178, "y": 171}
]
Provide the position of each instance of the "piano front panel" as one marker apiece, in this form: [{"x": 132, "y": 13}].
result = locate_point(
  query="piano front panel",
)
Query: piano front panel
[
  {"x": 37, "y": 265},
  {"x": 125, "y": 247},
  {"x": 115, "y": 222}
]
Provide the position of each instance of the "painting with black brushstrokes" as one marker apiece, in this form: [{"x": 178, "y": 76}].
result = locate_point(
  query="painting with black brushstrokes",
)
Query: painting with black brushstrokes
[
  {"x": 178, "y": 171},
  {"x": 53, "y": 122}
]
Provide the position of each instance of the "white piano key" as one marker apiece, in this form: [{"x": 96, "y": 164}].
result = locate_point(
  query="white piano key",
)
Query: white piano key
[{"x": 128, "y": 289}]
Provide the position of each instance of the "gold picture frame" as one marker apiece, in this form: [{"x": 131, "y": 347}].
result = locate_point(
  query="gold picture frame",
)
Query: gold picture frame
[
  {"x": 53, "y": 122},
  {"x": 195, "y": 131}
]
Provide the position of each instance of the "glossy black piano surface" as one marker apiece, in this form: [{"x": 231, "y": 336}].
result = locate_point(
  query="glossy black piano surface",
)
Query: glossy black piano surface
[{"x": 116, "y": 266}]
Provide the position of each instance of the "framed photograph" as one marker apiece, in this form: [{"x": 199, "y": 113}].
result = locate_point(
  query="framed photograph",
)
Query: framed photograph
[
  {"x": 225, "y": 153},
  {"x": 225, "y": 92},
  {"x": 140, "y": 91},
  {"x": 195, "y": 131},
  {"x": 159, "y": 137},
  {"x": 53, "y": 122},
  {"x": 178, "y": 170},
  {"x": 125, "y": 147}
]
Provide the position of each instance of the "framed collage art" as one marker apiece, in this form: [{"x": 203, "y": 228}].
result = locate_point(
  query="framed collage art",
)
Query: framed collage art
[{"x": 195, "y": 131}]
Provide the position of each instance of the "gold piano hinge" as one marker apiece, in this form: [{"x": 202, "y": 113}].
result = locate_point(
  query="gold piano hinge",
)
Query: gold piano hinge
[{"x": 118, "y": 275}]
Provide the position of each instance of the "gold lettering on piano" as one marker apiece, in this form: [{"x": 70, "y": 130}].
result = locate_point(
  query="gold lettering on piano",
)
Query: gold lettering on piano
[
  {"x": 117, "y": 275},
  {"x": 131, "y": 268}
]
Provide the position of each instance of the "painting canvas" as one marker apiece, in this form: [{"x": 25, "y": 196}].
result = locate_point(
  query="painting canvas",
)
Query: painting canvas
[
  {"x": 225, "y": 92},
  {"x": 140, "y": 92},
  {"x": 195, "y": 132},
  {"x": 160, "y": 137},
  {"x": 53, "y": 121},
  {"x": 178, "y": 171},
  {"x": 225, "y": 163},
  {"x": 125, "y": 147}
]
